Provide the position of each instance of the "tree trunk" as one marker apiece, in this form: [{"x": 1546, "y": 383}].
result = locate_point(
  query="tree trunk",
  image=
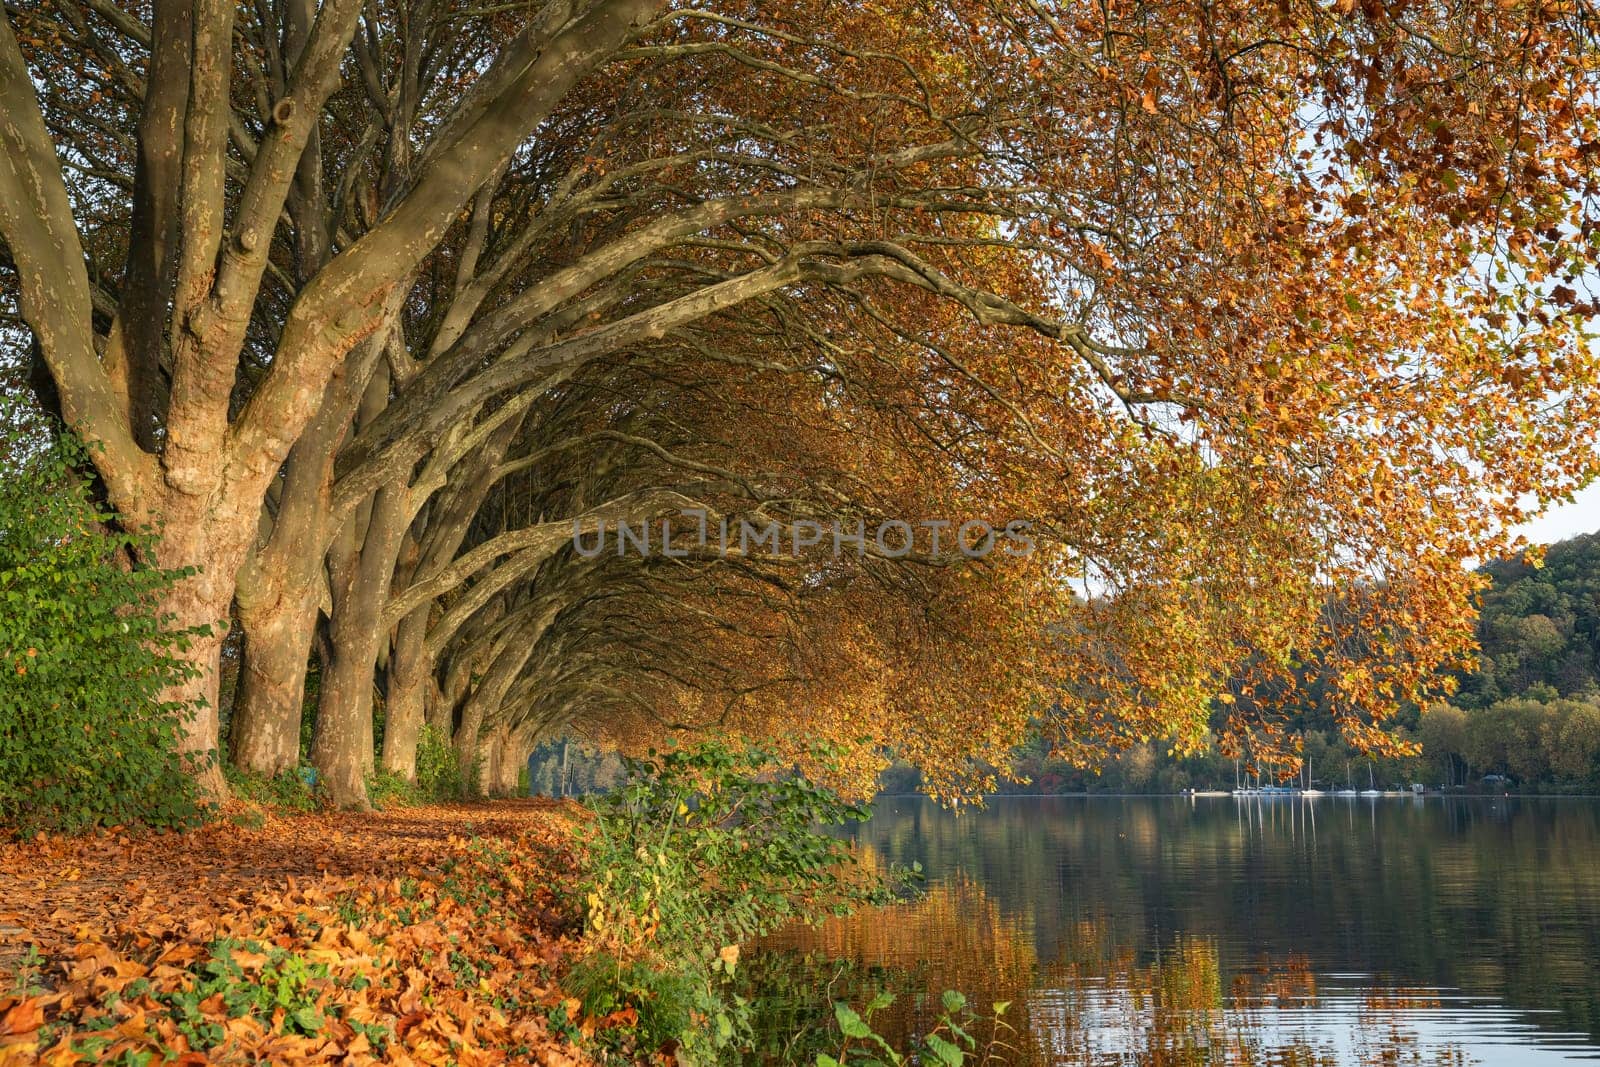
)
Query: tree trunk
[
  {"x": 410, "y": 671},
  {"x": 281, "y": 583},
  {"x": 441, "y": 708},
  {"x": 344, "y": 706},
  {"x": 466, "y": 745},
  {"x": 491, "y": 747},
  {"x": 484, "y": 704},
  {"x": 343, "y": 747},
  {"x": 208, "y": 533},
  {"x": 266, "y": 716},
  {"x": 344, "y": 726},
  {"x": 201, "y": 740},
  {"x": 510, "y": 760},
  {"x": 501, "y": 763}
]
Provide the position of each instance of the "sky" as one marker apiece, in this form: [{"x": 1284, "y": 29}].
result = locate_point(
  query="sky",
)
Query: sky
[{"x": 1566, "y": 520}]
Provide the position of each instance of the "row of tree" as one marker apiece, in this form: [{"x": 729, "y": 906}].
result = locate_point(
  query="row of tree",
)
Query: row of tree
[{"x": 367, "y": 308}]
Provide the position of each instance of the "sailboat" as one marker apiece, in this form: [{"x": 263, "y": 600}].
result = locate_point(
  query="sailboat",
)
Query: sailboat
[
  {"x": 1239, "y": 790},
  {"x": 1372, "y": 789},
  {"x": 1308, "y": 791},
  {"x": 1349, "y": 789}
]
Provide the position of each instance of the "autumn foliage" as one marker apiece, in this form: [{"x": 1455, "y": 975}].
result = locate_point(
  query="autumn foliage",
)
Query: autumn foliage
[{"x": 1267, "y": 318}]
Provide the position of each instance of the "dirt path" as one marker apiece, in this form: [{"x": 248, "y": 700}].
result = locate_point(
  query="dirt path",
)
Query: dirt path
[{"x": 49, "y": 889}]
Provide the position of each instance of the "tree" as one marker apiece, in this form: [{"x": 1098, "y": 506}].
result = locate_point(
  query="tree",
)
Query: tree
[
  {"x": 152, "y": 384},
  {"x": 1444, "y": 733},
  {"x": 1540, "y": 624}
]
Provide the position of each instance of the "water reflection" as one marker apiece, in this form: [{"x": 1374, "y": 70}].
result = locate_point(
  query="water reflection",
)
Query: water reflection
[{"x": 1153, "y": 931}]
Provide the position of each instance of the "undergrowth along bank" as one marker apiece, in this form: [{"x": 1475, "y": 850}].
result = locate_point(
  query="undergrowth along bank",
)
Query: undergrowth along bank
[{"x": 699, "y": 851}]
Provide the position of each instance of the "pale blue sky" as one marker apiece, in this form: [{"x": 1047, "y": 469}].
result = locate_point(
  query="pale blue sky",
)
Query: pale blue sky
[{"x": 1566, "y": 520}]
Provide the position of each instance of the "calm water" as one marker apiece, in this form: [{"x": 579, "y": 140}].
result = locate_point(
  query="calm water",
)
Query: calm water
[{"x": 1223, "y": 931}]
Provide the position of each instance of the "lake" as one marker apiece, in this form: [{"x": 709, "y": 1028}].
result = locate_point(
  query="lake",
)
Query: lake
[{"x": 1156, "y": 930}]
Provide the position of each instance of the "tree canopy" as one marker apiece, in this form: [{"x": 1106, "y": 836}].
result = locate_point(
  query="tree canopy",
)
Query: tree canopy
[{"x": 1261, "y": 319}]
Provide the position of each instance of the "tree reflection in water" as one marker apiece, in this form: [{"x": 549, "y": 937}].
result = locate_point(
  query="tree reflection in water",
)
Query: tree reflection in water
[
  {"x": 1179, "y": 1011},
  {"x": 1096, "y": 1004}
]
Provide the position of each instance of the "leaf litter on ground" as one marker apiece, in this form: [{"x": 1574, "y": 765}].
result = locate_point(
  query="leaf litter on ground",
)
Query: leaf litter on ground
[{"x": 426, "y": 935}]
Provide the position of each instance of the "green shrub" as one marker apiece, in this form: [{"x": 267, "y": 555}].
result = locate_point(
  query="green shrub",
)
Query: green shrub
[
  {"x": 701, "y": 850},
  {"x": 438, "y": 776},
  {"x": 385, "y": 789},
  {"x": 438, "y": 773},
  {"x": 85, "y": 655},
  {"x": 287, "y": 791},
  {"x": 664, "y": 1002},
  {"x": 952, "y": 1040}
]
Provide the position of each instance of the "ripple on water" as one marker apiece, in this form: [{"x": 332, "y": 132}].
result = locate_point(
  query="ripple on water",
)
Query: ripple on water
[{"x": 1175, "y": 932}]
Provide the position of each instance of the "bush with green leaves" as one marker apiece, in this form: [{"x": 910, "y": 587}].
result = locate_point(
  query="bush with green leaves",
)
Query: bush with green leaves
[
  {"x": 701, "y": 850},
  {"x": 662, "y": 1003},
  {"x": 952, "y": 1040},
  {"x": 85, "y": 736},
  {"x": 386, "y": 789},
  {"x": 290, "y": 790},
  {"x": 438, "y": 769}
]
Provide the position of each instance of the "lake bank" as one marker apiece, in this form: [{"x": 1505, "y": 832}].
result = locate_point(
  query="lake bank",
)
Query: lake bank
[{"x": 1454, "y": 794}]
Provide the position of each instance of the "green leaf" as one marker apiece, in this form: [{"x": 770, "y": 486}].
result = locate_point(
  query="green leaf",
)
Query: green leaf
[
  {"x": 850, "y": 1023},
  {"x": 948, "y": 1054},
  {"x": 308, "y": 1019},
  {"x": 953, "y": 1000}
]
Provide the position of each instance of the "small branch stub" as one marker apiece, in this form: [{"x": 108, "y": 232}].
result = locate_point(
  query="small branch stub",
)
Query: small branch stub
[
  {"x": 200, "y": 319},
  {"x": 283, "y": 111}
]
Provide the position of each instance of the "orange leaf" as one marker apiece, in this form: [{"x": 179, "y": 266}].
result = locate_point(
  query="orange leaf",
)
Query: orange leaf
[{"x": 23, "y": 1018}]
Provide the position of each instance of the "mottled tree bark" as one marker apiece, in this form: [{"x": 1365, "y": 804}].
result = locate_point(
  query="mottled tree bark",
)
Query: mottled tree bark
[
  {"x": 512, "y": 747},
  {"x": 410, "y": 677},
  {"x": 265, "y": 734},
  {"x": 343, "y": 747},
  {"x": 484, "y": 704}
]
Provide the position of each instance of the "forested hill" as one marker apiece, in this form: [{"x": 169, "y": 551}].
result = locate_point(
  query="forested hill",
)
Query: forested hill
[{"x": 1540, "y": 627}]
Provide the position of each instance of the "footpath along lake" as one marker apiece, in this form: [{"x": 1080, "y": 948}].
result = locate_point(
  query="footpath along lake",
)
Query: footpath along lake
[{"x": 1154, "y": 930}]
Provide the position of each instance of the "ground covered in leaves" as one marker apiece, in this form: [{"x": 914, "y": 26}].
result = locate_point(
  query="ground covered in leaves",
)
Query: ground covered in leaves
[{"x": 429, "y": 935}]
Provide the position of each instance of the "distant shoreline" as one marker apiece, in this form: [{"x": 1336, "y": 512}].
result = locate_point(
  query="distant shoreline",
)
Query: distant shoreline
[{"x": 1433, "y": 795}]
